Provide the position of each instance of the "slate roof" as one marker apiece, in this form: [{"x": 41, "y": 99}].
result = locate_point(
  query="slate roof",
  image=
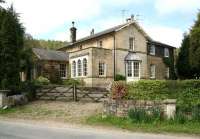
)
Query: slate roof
[
  {"x": 115, "y": 29},
  {"x": 44, "y": 54},
  {"x": 107, "y": 31}
]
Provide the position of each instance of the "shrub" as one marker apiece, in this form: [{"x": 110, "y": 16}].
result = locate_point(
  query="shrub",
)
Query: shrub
[
  {"x": 118, "y": 90},
  {"x": 42, "y": 81},
  {"x": 196, "y": 113},
  {"x": 141, "y": 115},
  {"x": 74, "y": 82},
  {"x": 180, "y": 117},
  {"x": 120, "y": 77},
  {"x": 187, "y": 92},
  {"x": 29, "y": 89}
]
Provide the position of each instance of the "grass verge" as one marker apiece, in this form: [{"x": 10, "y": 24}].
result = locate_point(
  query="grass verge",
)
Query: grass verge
[{"x": 156, "y": 127}]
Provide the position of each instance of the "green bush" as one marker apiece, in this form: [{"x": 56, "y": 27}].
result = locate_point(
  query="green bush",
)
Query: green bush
[
  {"x": 41, "y": 81},
  {"x": 196, "y": 113},
  {"x": 77, "y": 82},
  {"x": 118, "y": 90},
  {"x": 120, "y": 77},
  {"x": 187, "y": 92},
  {"x": 29, "y": 89}
]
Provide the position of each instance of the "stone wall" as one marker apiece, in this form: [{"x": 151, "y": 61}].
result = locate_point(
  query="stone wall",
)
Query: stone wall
[
  {"x": 10, "y": 101},
  {"x": 120, "y": 108}
]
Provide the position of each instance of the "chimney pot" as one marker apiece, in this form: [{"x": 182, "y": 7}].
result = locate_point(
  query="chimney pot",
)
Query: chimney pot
[
  {"x": 73, "y": 33},
  {"x": 92, "y": 32}
]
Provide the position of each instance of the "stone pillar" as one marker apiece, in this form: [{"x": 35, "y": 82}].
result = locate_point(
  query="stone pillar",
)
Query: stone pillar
[
  {"x": 169, "y": 108},
  {"x": 3, "y": 98}
]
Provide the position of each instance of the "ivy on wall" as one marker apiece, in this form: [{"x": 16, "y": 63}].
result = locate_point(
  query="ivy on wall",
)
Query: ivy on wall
[{"x": 170, "y": 63}]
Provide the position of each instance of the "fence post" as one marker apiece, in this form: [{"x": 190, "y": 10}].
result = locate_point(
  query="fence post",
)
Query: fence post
[
  {"x": 74, "y": 93},
  {"x": 170, "y": 108}
]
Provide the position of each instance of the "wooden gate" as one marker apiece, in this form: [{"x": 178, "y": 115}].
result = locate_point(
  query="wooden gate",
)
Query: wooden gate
[{"x": 71, "y": 93}]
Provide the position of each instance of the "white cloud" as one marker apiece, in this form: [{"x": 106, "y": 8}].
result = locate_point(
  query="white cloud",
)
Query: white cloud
[
  {"x": 40, "y": 16},
  {"x": 174, "y": 6},
  {"x": 168, "y": 35},
  {"x": 98, "y": 26},
  {"x": 43, "y": 16}
]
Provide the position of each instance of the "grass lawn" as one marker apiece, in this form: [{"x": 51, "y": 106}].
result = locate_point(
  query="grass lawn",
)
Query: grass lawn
[{"x": 163, "y": 127}]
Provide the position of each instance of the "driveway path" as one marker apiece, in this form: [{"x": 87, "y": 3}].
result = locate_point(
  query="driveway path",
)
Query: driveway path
[{"x": 22, "y": 130}]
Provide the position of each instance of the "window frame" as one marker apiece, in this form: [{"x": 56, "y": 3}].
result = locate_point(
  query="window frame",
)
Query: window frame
[
  {"x": 63, "y": 70},
  {"x": 131, "y": 43},
  {"x": 136, "y": 70},
  {"x": 85, "y": 67},
  {"x": 79, "y": 68},
  {"x": 129, "y": 69},
  {"x": 166, "y": 52},
  {"x": 152, "y": 75},
  {"x": 154, "y": 49},
  {"x": 102, "y": 69},
  {"x": 100, "y": 43},
  {"x": 73, "y": 68}
]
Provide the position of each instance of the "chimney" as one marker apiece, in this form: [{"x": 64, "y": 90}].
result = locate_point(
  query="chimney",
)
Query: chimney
[
  {"x": 92, "y": 32},
  {"x": 73, "y": 33},
  {"x": 132, "y": 18},
  {"x": 128, "y": 20}
]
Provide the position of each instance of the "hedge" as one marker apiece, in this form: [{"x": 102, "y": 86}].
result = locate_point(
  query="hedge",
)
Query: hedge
[{"x": 187, "y": 92}]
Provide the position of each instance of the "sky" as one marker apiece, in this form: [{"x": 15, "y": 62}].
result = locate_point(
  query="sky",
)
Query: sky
[{"x": 163, "y": 20}]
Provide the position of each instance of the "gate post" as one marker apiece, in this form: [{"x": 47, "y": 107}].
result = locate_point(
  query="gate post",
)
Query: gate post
[{"x": 74, "y": 93}]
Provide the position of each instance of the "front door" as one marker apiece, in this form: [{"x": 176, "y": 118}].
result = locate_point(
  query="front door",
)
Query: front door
[{"x": 132, "y": 71}]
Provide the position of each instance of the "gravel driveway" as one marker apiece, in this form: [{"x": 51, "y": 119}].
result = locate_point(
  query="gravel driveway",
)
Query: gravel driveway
[{"x": 56, "y": 111}]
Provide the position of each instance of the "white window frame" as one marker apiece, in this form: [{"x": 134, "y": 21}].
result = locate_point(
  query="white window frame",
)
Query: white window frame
[
  {"x": 82, "y": 66},
  {"x": 73, "y": 71},
  {"x": 152, "y": 50},
  {"x": 103, "y": 69},
  {"x": 79, "y": 68},
  {"x": 85, "y": 67},
  {"x": 63, "y": 71},
  {"x": 136, "y": 64},
  {"x": 130, "y": 69},
  {"x": 152, "y": 71},
  {"x": 166, "y": 52},
  {"x": 132, "y": 43}
]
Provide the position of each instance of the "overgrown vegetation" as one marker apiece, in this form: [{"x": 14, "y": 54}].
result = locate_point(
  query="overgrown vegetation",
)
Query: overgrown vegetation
[
  {"x": 120, "y": 77},
  {"x": 156, "y": 126},
  {"x": 41, "y": 81},
  {"x": 187, "y": 92},
  {"x": 78, "y": 82}
]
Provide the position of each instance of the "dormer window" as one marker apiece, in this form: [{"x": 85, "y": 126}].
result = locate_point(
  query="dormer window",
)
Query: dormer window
[
  {"x": 166, "y": 52},
  {"x": 131, "y": 44},
  {"x": 152, "y": 50}
]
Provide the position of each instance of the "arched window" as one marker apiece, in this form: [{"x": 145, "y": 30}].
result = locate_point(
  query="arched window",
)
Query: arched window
[
  {"x": 79, "y": 68},
  {"x": 85, "y": 67},
  {"x": 74, "y": 69}
]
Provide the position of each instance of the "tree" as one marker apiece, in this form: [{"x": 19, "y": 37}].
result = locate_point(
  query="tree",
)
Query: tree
[
  {"x": 194, "y": 51},
  {"x": 11, "y": 45},
  {"x": 183, "y": 65}
]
